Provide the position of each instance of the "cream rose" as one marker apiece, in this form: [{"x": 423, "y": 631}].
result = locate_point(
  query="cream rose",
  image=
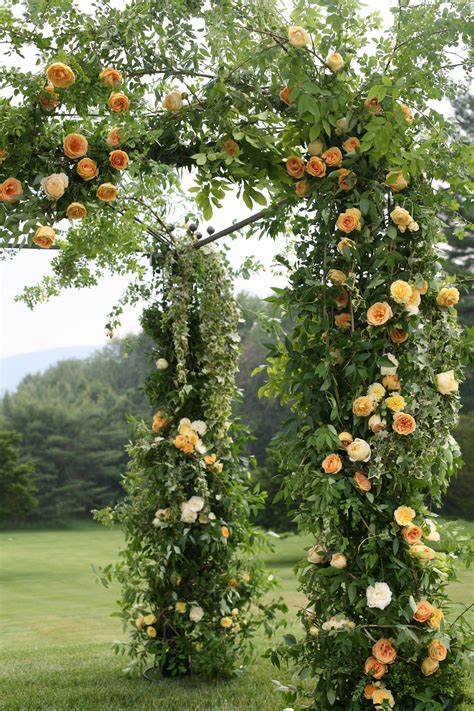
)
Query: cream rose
[
  {"x": 298, "y": 36},
  {"x": 404, "y": 515},
  {"x": 335, "y": 62},
  {"x": 54, "y": 185},
  {"x": 363, "y": 406},
  {"x": 359, "y": 450},
  {"x": 316, "y": 554},
  {"x": 345, "y": 439},
  {"x": 401, "y": 291},
  {"x": 390, "y": 370},
  {"x": 338, "y": 560},
  {"x": 316, "y": 147},
  {"x": 433, "y": 534},
  {"x": 161, "y": 364},
  {"x": 378, "y": 595},
  {"x": 337, "y": 277},
  {"x": 196, "y": 613},
  {"x": 377, "y": 424},
  {"x": 376, "y": 391},
  {"x": 173, "y": 101},
  {"x": 446, "y": 382},
  {"x": 381, "y": 695},
  {"x": 401, "y": 217}
]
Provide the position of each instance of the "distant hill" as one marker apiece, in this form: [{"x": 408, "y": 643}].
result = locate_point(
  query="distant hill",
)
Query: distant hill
[{"x": 14, "y": 368}]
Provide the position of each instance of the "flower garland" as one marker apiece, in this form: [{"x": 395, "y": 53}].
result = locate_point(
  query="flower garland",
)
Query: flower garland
[{"x": 191, "y": 583}]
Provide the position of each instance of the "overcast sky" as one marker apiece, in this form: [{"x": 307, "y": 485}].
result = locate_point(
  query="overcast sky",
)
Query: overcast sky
[{"x": 78, "y": 317}]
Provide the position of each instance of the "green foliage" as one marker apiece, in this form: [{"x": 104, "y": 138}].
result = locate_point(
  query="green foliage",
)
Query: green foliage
[
  {"x": 17, "y": 488},
  {"x": 457, "y": 501},
  {"x": 190, "y": 575}
]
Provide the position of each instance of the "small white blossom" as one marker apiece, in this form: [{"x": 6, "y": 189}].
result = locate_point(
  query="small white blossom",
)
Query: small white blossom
[
  {"x": 199, "y": 427},
  {"x": 378, "y": 595}
]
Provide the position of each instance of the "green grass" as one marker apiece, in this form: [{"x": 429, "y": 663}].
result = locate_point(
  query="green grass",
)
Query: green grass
[{"x": 56, "y": 630}]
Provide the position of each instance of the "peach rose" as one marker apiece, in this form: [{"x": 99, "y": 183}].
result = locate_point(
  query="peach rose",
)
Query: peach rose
[
  {"x": 225, "y": 532},
  {"x": 44, "y": 237},
  {"x": 351, "y": 144},
  {"x": 3, "y": 155},
  {"x": 407, "y": 112},
  {"x": 10, "y": 190},
  {"x": 338, "y": 560},
  {"x": 107, "y": 192},
  {"x": 345, "y": 438},
  {"x": 373, "y": 106},
  {"x": 375, "y": 668},
  {"x": 332, "y": 464},
  {"x": 363, "y": 406},
  {"x": 302, "y": 188},
  {"x": 424, "y": 611},
  {"x": 337, "y": 277},
  {"x": 403, "y": 424},
  {"x": 412, "y": 534},
  {"x": 448, "y": 296},
  {"x": 160, "y": 420},
  {"x": 54, "y": 185},
  {"x": 349, "y": 220},
  {"x": 335, "y": 62},
  {"x": 422, "y": 553},
  {"x": 384, "y": 652},
  {"x": 316, "y": 147},
  {"x": 48, "y": 99},
  {"x": 379, "y": 313},
  {"x": 87, "y": 169},
  {"x": 401, "y": 291},
  {"x": 316, "y": 167},
  {"x": 76, "y": 211},
  {"x": 118, "y": 102},
  {"x": 346, "y": 179},
  {"x": 295, "y": 166},
  {"x": 332, "y": 157},
  {"x": 398, "y": 335},
  {"x": 343, "y": 321},
  {"x": 391, "y": 382},
  {"x": 110, "y": 76},
  {"x": 173, "y": 101},
  {"x": 298, "y": 36},
  {"x": 345, "y": 245},
  {"x": 437, "y": 651},
  {"x": 60, "y": 75},
  {"x": 231, "y": 147},
  {"x": 113, "y": 137},
  {"x": 118, "y": 159},
  {"x": 437, "y": 615},
  {"x": 423, "y": 289},
  {"x": 285, "y": 95},
  {"x": 404, "y": 515},
  {"x": 363, "y": 483},
  {"x": 75, "y": 145},
  {"x": 359, "y": 450},
  {"x": 377, "y": 424},
  {"x": 369, "y": 691},
  {"x": 396, "y": 181},
  {"x": 395, "y": 403},
  {"x": 429, "y": 666}
]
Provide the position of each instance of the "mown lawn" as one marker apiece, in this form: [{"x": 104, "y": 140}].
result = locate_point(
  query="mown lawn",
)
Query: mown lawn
[{"x": 56, "y": 630}]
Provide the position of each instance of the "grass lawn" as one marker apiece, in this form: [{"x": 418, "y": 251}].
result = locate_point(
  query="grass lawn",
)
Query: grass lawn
[{"x": 56, "y": 630}]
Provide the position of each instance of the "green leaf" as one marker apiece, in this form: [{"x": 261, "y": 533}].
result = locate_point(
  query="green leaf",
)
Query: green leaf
[{"x": 331, "y": 694}]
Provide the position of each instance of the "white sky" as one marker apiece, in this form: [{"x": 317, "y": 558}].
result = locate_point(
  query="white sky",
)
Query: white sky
[{"x": 77, "y": 317}]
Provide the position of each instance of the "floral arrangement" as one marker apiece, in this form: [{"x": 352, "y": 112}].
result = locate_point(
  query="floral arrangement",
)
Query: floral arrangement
[{"x": 190, "y": 573}]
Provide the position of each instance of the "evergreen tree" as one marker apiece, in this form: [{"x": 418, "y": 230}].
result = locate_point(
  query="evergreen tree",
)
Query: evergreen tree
[{"x": 17, "y": 489}]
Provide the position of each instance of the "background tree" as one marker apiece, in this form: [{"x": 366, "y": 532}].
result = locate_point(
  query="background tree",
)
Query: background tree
[{"x": 17, "y": 487}]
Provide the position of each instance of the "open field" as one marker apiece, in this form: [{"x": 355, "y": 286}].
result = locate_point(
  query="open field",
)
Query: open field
[{"x": 56, "y": 630}]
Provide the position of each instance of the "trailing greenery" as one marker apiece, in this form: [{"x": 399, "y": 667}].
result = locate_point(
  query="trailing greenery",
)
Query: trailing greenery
[{"x": 190, "y": 572}]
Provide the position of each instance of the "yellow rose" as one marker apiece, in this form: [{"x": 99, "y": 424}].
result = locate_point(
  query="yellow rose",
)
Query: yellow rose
[
  {"x": 60, "y": 75},
  {"x": 379, "y": 313},
  {"x": 87, "y": 169},
  {"x": 335, "y": 62},
  {"x": 75, "y": 145},
  {"x": 396, "y": 180},
  {"x": 349, "y": 220},
  {"x": 401, "y": 217},
  {"x": 110, "y": 76},
  {"x": 226, "y": 622},
  {"x": 404, "y": 515},
  {"x": 436, "y": 616},
  {"x": 316, "y": 147},
  {"x": 55, "y": 185},
  {"x": 295, "y": 166},
  {"x": 363, "y": 406},
  {"x": 44, "y": 237},
  {"x": 298, "y": 36},
  {"x": 106, "y": 192},
  {"x": 180, "y": 608},
  {"x": 302, "y": 188},
  {"x": 337, "y": 277},
  {"x": 401, "y": 291},
  {"x": 448, "y": 296},
  {"x": 76, "y": 211},
  {"x": 376, "y": 391},
  {"x": 140, "y": 622},
  {"x": 173, "y": 101},
  {"x": 381, "y": 695},
  {"x": 149, "y": 619},
  {"x": 447, "y": 383},
  {"x": 118, "y": 102},
  {"x": 395, "y": 403},
  {"x": 429, "y": 666},
  {"x": 151, "y": 631}
]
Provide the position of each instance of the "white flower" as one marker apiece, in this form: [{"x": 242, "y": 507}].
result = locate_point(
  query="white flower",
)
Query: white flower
[
  {"x": 387, "y": 370},
  {"x": 211, "y": 516},
  {"x": 433, "y": 535},
  {"x": 162, "y": 364},
  {"x": 200, "y": 447},
  {"x": 161, "y": 518},
  {"x": 338, "y": 560},
  {"x": 446, "y": 382},
  {"x": 187, "y": 515},
  {"x": 195, "y": 503},
  {"x": 376, "y": 424},
  {"x": 196, "y": 613},
  {"x": 412, "y": 310},
  {"x": 316, "y": 554},
  {"x": 378, "y": 595},
  {"x": 199, "y": 427},
  {"x": 359, "y": 450}
]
